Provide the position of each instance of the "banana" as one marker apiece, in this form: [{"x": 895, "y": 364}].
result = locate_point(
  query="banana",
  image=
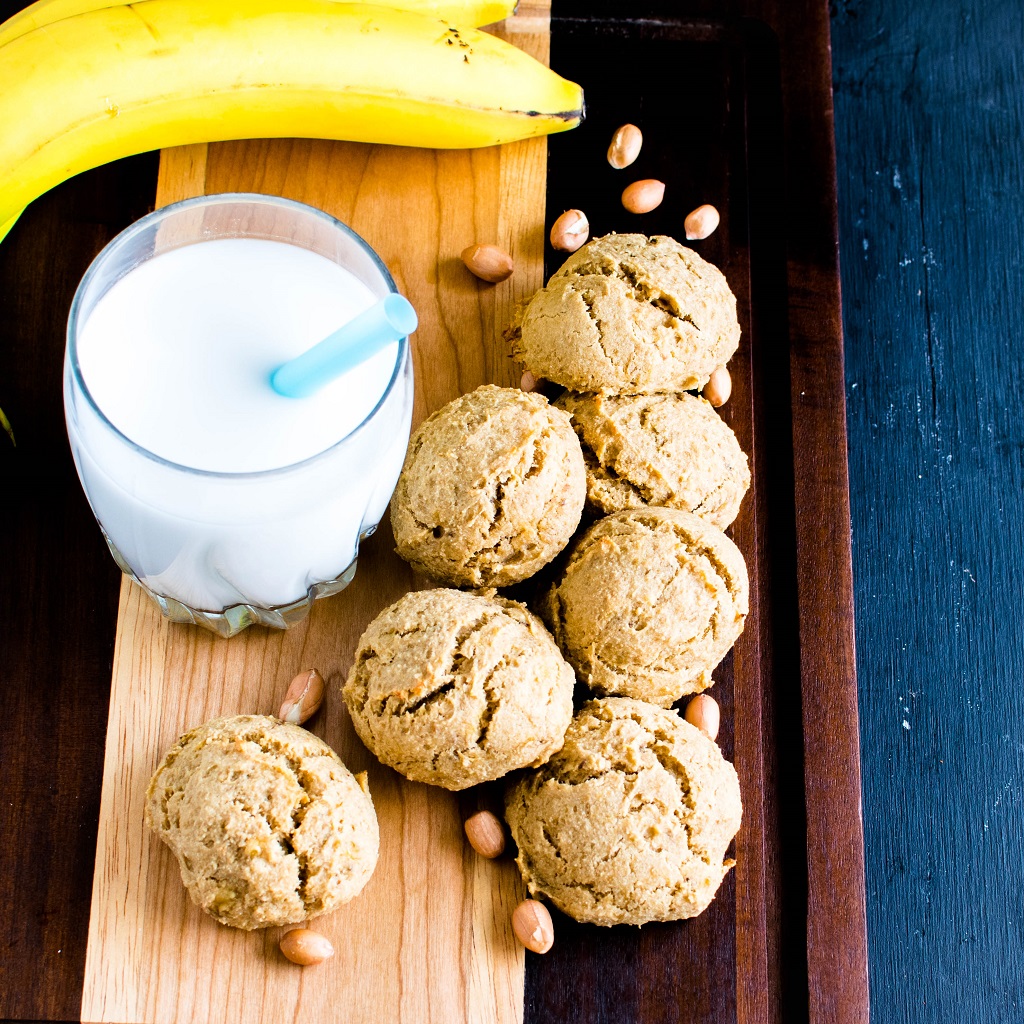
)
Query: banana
[
  {"x": 122, "y": 80},
  {"x": 4, "y": 228},
  {"x": 461, "y": 12},
  {"x": 46, "y": 12}
]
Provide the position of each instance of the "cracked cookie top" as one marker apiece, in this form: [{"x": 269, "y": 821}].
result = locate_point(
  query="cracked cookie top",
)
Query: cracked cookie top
[
  {"x": 671, "y": 450},
  {"x": 648, "y": 603},
  {"x": 492, "y": 489},
  {"x": 628, "y": 314},
  {"x": 269, "y": 827},
  {"x": 454, "y": 689},
  {"x": 630, "y": 821}
]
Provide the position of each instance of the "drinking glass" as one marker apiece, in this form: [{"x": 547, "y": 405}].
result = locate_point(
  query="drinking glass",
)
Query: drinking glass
[{"x": 226, "y": 550}]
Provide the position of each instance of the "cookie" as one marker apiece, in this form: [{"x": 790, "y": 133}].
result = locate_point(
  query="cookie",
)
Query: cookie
[
  {"x": 454, "y": 689},
  {"x": 630, "y": 821},
  {"x": 648, "y": 603},
  {"x": 269, "y": 827},
  {"x": 672, "y": 450},
  {"x": 492, "y": 489},
  {"x": 628, "y": 314}
]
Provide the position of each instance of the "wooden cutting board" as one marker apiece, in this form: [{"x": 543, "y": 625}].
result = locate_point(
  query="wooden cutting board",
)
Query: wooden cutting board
[{"x": 429, "y": 939}]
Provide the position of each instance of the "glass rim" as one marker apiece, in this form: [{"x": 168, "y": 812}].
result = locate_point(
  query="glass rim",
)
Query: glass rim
[{"x": 223, "y": 198}]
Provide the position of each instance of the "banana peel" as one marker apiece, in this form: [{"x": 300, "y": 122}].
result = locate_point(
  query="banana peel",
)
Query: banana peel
[
  {"x": 123, "y": 80},
  {"x": 47, "y": 12},
  {"x": 5, "y": 228}
]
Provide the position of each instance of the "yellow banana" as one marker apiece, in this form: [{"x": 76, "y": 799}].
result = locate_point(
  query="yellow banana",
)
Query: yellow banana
[
  {"x": 4, "y": 228},
  {"x": 46, "y": 12},
  {"x": 122, "y": 80},
  {"x": 461, "y": 12}
]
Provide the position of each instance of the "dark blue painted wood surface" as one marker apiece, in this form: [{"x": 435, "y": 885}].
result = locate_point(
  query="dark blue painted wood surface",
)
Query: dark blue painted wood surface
[{"x": 929, "y": 102}]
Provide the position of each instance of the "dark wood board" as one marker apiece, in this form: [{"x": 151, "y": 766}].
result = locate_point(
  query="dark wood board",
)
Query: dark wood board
[
  {"x": 757, "y": 142},
  {"x": 58, "y": 601},
  {"x": 929, "y": 123},
  {"x": 717, "y": 130},
  {"x": 712, "y": 64}
]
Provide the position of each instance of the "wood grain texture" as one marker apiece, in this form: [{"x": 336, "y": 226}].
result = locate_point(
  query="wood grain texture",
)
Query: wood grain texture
[
  {"x": 747, "y": 958},
  {"x": 662, "y": 973},
  {"x": 741, "y": 941},
  {"x": 929, "y": 121},
  {"x": 430, "y": 937},
  {"x": 825, "y": 746},
  {"x": 836, "y": 940},
  {"x": 800, "y": 950},
  {"x": 58, "y": 601}
]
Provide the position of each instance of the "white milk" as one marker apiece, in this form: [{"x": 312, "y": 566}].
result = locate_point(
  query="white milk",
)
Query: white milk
[{"x": 252, "y": 498}]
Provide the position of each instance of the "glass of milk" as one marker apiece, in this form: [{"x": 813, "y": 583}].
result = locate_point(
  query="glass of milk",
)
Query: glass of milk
[{"x": 228, "y": 503}]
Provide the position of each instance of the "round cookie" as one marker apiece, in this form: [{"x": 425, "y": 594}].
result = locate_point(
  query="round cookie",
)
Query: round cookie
[
  {"x": 629, "y": 822},
  {"x": 269, "y": 827},
  {"x": 671, "y": 450},
  {"x": 648, "y": 603},
  {"x": 492, "y": 489},
  {"x": 454, "y": 689},
  {"x": 628, "y": 314}
]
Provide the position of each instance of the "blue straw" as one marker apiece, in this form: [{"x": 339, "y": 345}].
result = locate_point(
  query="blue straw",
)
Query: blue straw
[{"x": 386, "y": 321}]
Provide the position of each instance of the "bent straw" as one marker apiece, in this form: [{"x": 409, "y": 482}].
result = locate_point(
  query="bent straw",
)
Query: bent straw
[{"x": 388, "y": 320}]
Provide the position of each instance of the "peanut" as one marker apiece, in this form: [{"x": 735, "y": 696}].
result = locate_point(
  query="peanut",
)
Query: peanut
[
  {"x": 533, "y": 926},
  {"x": 488, "y": 262},
  {"x": 703, "y": 712},
  {"x": 570, "y": 231},
  {"x": 305, "y": 947},
  {"x": 701, "y": 222},
  {"x": 718, "y": 388},
  {"x": 644, "y": 195},
  {"x": 485, "y": 834},
  {"x": 303, "y": 698},
  {"x": 625, "y": 146},
  {"x": 528, "y": 381}
]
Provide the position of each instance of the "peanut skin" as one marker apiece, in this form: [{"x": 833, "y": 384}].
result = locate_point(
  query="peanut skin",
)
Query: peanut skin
[
  {"x": 625, "y": 146},
  {"x": 305, "y": 947},
  {"x": 488, "y": 262},
  {"x": 303, "y": 699},
  {"x": 485, "y": 834},
  {"x": 644, "y": 195},
  {"x": 533, "y": 926},
  {"x": 718, "y": 388}
]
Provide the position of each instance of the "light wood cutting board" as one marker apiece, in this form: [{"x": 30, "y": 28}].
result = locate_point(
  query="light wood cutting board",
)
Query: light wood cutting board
[{"x": 429, "y": 939}]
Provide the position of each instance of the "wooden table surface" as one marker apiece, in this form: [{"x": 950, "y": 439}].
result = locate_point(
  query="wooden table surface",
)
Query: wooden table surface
[
  {"x": 929, "y": 103},
  {"x": 929, "y": 109}
]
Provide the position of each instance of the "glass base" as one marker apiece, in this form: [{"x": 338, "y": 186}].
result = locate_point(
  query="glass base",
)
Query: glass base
[{"x": 233, "y": 620}]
